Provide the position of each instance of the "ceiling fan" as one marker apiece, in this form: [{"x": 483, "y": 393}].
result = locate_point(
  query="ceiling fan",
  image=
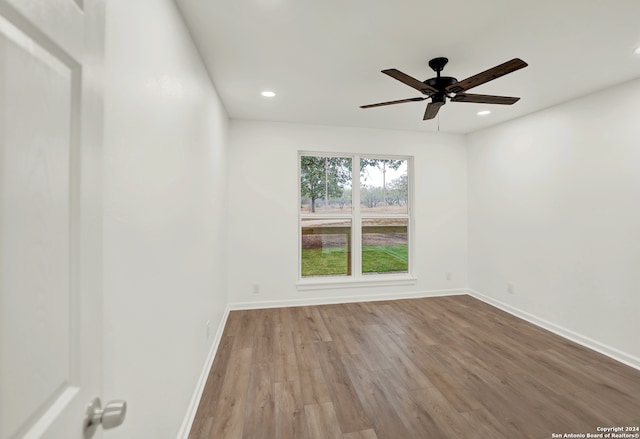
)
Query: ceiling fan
[{"x": 442, "y": 87}]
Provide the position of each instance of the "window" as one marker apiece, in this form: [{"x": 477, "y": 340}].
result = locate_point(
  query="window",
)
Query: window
[{"x": 354, "y": 215}]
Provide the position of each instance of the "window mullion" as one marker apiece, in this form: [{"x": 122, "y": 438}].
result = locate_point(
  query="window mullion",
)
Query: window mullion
[{"x": 355, "y": 209}]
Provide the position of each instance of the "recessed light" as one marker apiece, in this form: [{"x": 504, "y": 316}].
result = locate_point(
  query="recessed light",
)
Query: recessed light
[
  {"x": 636, "y": 50},
  {"x": 268, "y": 94},
  {"x": 484, "y": 113}
]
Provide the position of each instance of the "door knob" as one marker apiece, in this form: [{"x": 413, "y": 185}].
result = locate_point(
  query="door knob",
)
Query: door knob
[{"x": 111, "y": 416}]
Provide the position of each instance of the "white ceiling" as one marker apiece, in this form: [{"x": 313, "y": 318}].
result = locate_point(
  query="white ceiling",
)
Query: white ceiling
[{"x": 323, "y": 57}]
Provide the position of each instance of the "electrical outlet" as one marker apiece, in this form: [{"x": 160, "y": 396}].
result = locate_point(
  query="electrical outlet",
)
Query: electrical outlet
[
  {"x": 510, "y": 288},
  {"x": 207, "y": 328},
  {"x": 447, "y": 275},
  {"x": 256, "y": 288}
]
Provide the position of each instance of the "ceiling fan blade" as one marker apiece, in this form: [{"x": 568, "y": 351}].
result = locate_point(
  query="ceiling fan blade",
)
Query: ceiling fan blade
[
  {"x": 484, "y": 99},
  {"x": 487, "y": 75},
  {"x": 393, "y": 102},
  {"x": 410, "y": 81},
  {"x": 432, "y": 110}
]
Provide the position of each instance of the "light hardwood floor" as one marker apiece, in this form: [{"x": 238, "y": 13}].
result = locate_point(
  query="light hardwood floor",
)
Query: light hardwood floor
[{"x": 444, "y": 367}]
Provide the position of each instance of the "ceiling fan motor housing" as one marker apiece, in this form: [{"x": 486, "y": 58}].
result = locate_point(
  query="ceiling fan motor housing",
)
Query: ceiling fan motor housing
[{"x": 441, "y": 82}]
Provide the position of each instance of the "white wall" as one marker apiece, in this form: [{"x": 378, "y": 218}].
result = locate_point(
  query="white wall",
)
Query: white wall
[
  {"x": 263, "y": 204},
  {"x": 554, "y": 208},
  {"x": 164, "y": 224}
]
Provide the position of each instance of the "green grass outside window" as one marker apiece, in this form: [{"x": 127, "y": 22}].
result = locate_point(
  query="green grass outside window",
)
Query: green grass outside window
[{"x": 375, "y": 259}]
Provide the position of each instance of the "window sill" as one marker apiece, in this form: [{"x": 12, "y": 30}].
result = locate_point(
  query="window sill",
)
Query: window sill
[{"x": 368, "y": 281}]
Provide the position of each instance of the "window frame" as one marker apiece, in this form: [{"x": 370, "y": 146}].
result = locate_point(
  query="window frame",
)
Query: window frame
[{"x": 357, "y": 278}]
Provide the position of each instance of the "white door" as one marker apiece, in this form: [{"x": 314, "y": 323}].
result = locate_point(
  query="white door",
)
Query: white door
[{"x": 51, "y": 54}]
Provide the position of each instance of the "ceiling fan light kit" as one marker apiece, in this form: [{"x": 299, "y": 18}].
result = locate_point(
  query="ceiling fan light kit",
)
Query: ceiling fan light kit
[{"x": 440, "y": 88}]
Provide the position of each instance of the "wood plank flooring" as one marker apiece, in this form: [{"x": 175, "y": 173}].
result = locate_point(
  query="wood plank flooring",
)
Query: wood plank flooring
[{"x": 444, "y": 367}]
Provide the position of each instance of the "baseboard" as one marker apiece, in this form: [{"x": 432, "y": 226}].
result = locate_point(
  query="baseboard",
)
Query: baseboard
[
  {"x": 587, "y": 342},
  {"x": 185, "y": 428},
  {"x": 343, "y": 299}
]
